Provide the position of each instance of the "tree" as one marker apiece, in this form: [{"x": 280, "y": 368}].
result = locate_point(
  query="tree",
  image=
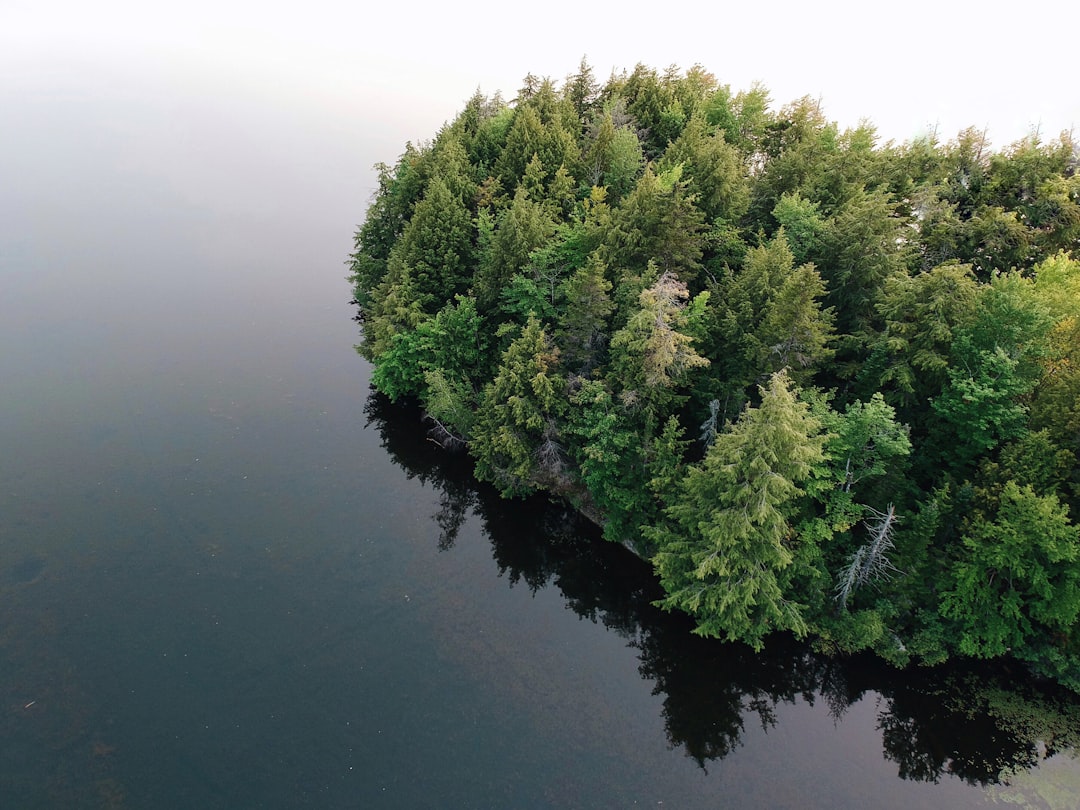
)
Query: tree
[
  {"x": 796, "y": 331},
  {"x": 742, "y": 118},
  {"x": 389, "y": 212},
  {"x": 863, "y": 245},
  {"x": 993, "y": 367},
  {"x": 581, "y": 90},
  {"x": 1055, "y": 402},
  {"x": 537, "y": 131},
  {"x": 714, "y": 171},
  {"x": 451, "y": 341},
  {"x": 608, "y": 452},
  {"x": 650, "y": 356},
  {"x": 657, "y": 222},
  {"x": 613, "y": 157},
  {"x": 922, "y": 315},
  {"x": 728, "y": 537},
  {"x": 515, "y": 440},
  {"x": 1017, "y": 576},
  {"x": 803, "y": 225},
  {"x": 437, "y": 244},
  {"x": 395, "y": 307},
  {"x": 737, "y": 341},
  {"x": 521, "y": 228},
  {"x": 582, "y": 330}
]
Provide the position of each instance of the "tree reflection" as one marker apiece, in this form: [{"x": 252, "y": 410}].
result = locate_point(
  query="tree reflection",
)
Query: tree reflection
[{"x": 966, "y": 721}]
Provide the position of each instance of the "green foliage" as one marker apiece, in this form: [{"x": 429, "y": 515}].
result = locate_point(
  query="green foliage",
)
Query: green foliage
[
  {"x": 399, "y": 188},
  {"x": 614, "y": 159},
  {"x": 583, "y": 328},
  {"x": 395, "y": 307},
  {"x": 650, "y": 356},
  {"x": 795, "y": 330},
  {"x": 568, "y": 282},
  {"x": 515, "y": 429},
  {"x": 521, "y": 229},
  {"x": 437, "y": 244},
  {"x": 608, "y": 452},
  {"x": 729, "y": 537},
  {"x": 658, "y": 222},
  {"x": 1016, "y": 576},
  {"x": 922, "y": 314},
  {"x": 452, "y": 340},
  {"x": 714, "y": 171},
  {"x": 993, "y": 368},
  {"x": 451, "y": 402}
]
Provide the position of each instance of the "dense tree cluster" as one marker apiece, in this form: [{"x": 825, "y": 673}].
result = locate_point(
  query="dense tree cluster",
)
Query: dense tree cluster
[{"x": 826, "y": 385}]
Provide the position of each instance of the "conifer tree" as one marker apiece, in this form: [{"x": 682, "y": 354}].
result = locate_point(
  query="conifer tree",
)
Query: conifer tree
[
  {"x": 729, "y": 535},
  {"x": 519, "y": 409},
  {"x": 582, "y": 329},
  {"x": 796, "y": 331},
  {"x": 651, "y": 356},
  {"x": 437, "y": 244},
  {"x": 521, "y": 228}
]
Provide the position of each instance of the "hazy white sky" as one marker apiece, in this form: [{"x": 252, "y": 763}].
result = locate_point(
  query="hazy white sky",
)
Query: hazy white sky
[{"x": 405, "y": 67}]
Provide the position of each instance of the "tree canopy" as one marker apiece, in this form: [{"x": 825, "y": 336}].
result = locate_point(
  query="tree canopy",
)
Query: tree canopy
[{"x": 827, "y": 385}]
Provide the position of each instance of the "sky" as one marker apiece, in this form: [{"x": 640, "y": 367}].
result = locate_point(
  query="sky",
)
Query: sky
[{"x": 397, "y": 70}]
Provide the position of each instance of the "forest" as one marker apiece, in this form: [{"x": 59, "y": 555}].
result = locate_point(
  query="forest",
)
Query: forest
[{"x": 828, "y": 386}]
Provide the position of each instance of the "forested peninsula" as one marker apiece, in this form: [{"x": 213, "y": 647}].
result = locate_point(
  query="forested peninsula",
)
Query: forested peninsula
[{"x": 826, "y": 385}]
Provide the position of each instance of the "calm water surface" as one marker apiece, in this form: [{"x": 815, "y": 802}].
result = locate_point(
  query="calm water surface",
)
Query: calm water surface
[{"x": 231, "y": 577}]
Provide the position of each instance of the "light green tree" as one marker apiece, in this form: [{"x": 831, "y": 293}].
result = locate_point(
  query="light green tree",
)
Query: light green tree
[{"x": 728, "y": 538}]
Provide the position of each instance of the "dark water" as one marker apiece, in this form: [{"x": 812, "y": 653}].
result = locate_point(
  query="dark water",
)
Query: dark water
[{"x": 230, "y": 577}]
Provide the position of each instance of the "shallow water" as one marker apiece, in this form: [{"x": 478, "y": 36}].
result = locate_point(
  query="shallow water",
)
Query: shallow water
[{"x": 232, "y": 577}]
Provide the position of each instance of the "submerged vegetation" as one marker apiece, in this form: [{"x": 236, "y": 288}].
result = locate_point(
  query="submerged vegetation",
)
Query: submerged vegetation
[{"x": 826, "y": 385}]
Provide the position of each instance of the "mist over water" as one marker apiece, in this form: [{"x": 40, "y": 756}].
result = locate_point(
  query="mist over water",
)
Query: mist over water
[{"x": 229, "y": 577}]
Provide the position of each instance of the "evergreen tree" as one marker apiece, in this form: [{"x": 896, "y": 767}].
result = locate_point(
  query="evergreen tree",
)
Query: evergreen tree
[
  {"x": 582, "y": 331},
  {"x": 650, "y": 356},
  {"x": 729, "y": 536},
  {"x": 714, "y": 171},
  {"x": 521, "y": 228},
  {"x": 922, "y": 315},
  {"x": 657, "y": 222},
  {"x": 437, "y": 245},
  {"x": 693, "y": 253},
  {"x": 608, "y": 452},
  {"x": 515, "y": 438},
  {"x": 795, "y": 330}
]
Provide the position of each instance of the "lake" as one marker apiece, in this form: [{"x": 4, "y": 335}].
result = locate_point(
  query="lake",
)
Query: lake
[{"x": 231, "y": 576}]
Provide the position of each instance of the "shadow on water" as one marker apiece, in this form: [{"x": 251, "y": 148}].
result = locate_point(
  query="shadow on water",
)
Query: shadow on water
[{"x": 985, "y": 725}]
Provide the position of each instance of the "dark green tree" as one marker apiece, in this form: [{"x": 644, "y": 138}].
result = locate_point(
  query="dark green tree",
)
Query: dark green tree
[
  {"x": 521, "y": 229},
  {"x": 582, "y": 332},
  {"x": 437, "y": 245},
  {"x": 515, "y": 437}
]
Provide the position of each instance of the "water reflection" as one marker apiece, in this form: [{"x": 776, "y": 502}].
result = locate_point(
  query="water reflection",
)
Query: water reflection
[{"x": 984, "y": 725}]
